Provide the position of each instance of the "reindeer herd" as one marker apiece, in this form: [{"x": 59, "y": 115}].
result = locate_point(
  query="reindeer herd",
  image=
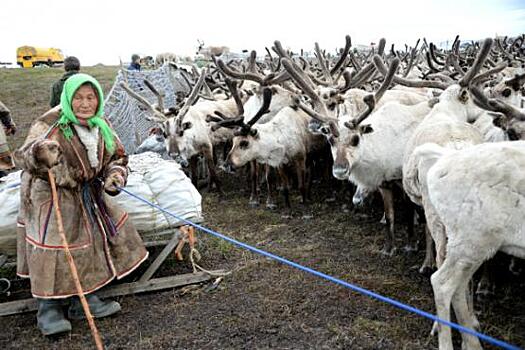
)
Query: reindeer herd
[{"x": 445, "y": 125}]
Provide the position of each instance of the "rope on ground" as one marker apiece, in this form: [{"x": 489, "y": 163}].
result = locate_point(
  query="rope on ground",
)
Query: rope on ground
[
  {"x": 5, "y": 290},
  {"x": 353, "y": 287},
  {"x": 188, "y": 236}
]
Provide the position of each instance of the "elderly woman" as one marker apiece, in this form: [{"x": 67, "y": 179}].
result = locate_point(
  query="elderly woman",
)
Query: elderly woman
[{"x": 88, "y": 161}]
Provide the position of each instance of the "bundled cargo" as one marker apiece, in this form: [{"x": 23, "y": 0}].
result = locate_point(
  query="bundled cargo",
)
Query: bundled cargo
[{"x": 160, "y": 181}]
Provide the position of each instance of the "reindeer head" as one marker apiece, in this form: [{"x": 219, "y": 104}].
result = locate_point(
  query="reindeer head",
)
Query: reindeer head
[
  {"x": 456, "y": 99},
  {"x": 173, "y": 128},
  {"x": 505, "y": 115},
  {"x": 344, "y": 136},
  {"x": 246, "y": 137},
  {"x": 511, "y": 90}
]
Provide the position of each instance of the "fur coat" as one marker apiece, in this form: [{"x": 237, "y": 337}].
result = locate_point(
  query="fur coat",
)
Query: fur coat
[{"x": 102, "y": 240}]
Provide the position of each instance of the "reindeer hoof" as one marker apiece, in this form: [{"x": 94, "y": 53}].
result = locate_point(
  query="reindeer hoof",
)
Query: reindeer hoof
[
  {"x": 485, "y": 291},
  {"x": 271, "y": 206},
  {"x": 426, "y": 271},
  {"x": 330, "y": 199},
  {"x": 514, "y": 268},
  {"x": 435, "y": 329},
  {"x": 387, "y": 251},
  {"x": 409, "y": 248}
]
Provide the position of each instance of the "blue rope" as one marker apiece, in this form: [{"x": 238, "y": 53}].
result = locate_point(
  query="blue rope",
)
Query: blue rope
[{"x": 387, "y": 300}]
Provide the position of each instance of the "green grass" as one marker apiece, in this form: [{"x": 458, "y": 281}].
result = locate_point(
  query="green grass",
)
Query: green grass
[{"x": 26, "y": 92}]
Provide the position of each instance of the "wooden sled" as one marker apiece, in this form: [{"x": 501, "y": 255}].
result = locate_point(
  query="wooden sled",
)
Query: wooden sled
[{"x": 145, "y": 283}]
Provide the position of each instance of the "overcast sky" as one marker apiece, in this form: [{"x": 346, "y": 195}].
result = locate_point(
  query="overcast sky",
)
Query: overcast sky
[{"x": 102, "y": 31}]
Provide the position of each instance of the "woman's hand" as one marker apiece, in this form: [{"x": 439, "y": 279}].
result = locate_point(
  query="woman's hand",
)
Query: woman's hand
[
  {"x": 47, "y": 153},
  {"x": 113, "y": 181}
]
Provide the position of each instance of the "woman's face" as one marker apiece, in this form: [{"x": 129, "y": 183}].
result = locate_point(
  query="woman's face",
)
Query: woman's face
[{"x": 85, "y": 102}]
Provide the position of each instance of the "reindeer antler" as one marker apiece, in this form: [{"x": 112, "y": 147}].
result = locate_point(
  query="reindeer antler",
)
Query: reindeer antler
[
  {"x": 156, "y": 116},
  {"x": 160, "y": 99}
]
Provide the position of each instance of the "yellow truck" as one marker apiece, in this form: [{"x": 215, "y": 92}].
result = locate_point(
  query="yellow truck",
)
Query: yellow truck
[{"x": 30, "y": 56}]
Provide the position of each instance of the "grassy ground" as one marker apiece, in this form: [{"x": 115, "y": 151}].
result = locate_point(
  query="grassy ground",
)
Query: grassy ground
[{"x": 264, "y": 304}]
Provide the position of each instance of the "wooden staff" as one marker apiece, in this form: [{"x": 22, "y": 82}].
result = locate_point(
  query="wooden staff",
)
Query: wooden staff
[{"x": 72, "y": 265}]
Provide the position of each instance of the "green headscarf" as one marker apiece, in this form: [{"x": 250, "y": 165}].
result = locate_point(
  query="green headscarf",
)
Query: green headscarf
[{"x": 67, "y": 116}]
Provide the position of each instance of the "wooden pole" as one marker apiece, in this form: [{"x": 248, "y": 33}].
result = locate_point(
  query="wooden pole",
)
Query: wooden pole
[{"x": 72, "y": 265}]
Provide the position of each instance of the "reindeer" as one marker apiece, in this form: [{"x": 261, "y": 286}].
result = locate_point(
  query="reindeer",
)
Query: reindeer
[
  {"x": 165, "y": 57},
  {"x": 282, "y": 141},
  {"x": 189, "y": 133},
  {"x": 281, "y": 98},
  {"x": 211, "y": 51},
  {"x": 473, "y": 191},
  {"x": 368, "y": 155}
]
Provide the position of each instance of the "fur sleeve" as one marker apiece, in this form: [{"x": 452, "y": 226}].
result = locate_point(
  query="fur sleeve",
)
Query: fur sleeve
[
  {"x": 25, "y": 156},
  {"x": 118, "y": 162}
]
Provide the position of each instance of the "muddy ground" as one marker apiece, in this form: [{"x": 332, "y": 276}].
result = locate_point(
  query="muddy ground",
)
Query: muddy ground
[{"x": 264, "y": 304}]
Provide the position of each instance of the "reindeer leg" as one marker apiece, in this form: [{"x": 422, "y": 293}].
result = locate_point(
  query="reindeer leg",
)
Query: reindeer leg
[
  {"x": 388, "y": 202},
  {"x": 435, "y": 236},
  {"x": 411, "y": 244},
  {"x": 193, "y": 171},
  {"x": 300, "y": 166},
  {"x": 486, "y": 286},
  {"x": 334, "y": 185},
  {"x": 465, "y": 313},
  {"x": 302, "y": 184},
  {"x": 270, "y": 183},
  {"x": 254, "y": 195},
  {"x": 208, "y": 155},
  {"x": 449, "y": 283},
  {"x": 286, "y": 191},
  {"x": 429, "y": 262}
]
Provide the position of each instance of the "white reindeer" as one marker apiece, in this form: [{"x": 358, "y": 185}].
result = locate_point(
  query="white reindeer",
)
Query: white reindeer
[
  {"x": 446, "y": 125},
  {"x": 165, "y": 57},
  {"x": 369, "y": 155},
  {"x": 479, "y": 195},
  {"x": 282, "y": 141},
  {"x": 211, "y": 51},
  {"x": 189, "y": 133}
]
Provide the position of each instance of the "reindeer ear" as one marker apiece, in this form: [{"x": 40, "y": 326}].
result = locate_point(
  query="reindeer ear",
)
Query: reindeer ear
[
  {"x": 500, "y": 121},
  {"x": 213, "y": 118},
  {"x": 365, "y": 129},
  {"x": 506, "y": 92},
  {"x": 463, "y": 95}
]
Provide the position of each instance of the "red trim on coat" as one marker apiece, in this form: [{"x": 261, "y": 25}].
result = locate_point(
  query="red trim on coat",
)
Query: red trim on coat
[
  {"x": 59, "y": 247},
  {"x": 121, "y": 221}
]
